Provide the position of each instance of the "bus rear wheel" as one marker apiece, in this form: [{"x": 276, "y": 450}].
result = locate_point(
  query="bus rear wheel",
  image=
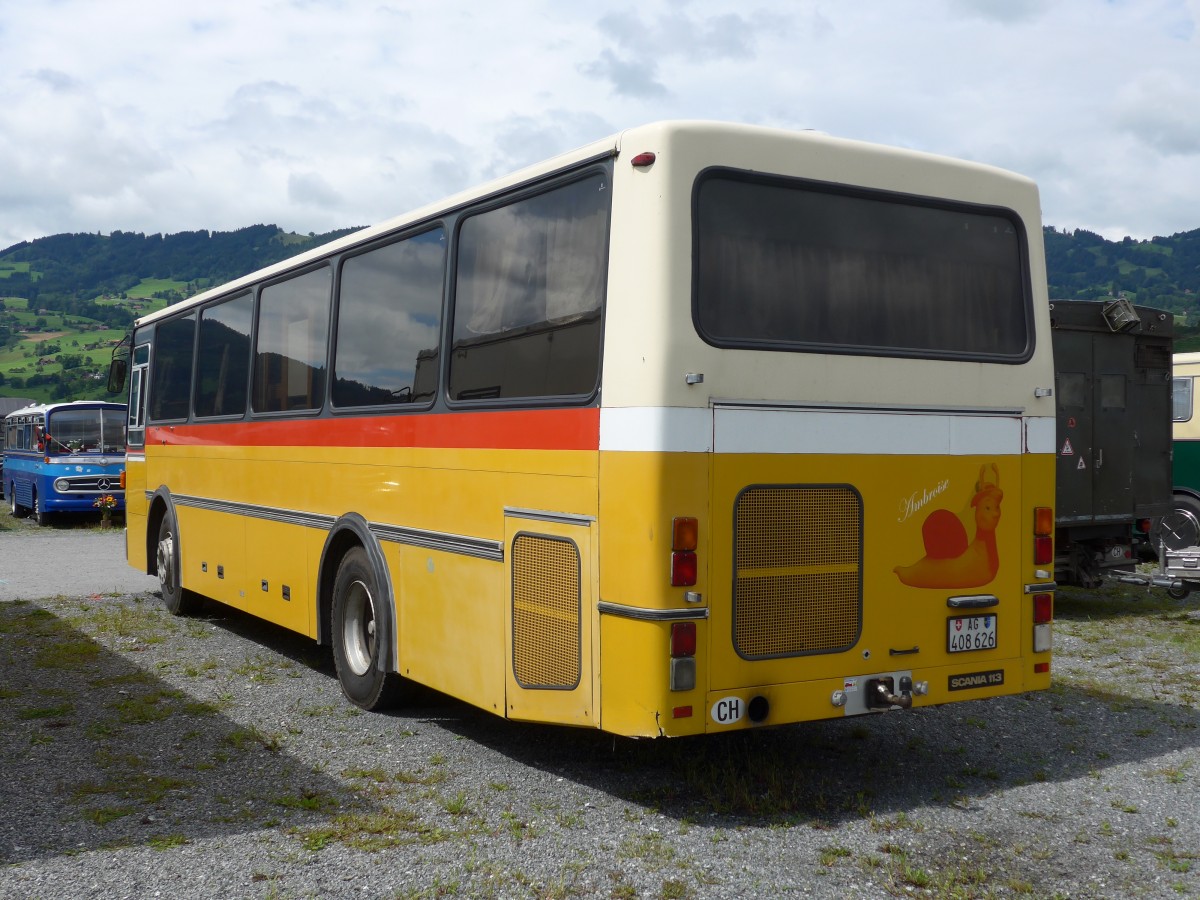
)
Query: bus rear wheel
[
  {"x": 177, "y": 601},
  {"x": 358, "y": 632}
]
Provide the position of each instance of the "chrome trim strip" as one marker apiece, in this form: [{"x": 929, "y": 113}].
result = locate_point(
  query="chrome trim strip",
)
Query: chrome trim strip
[
  {"x": 542, "y": 515},
  {"x": 396, "y": 534},
  {"x": 1041, "y": 588},
  {"x": 650, "y": 615},
  {"x": 973, "y": 601},
  {"x": 436, "y": 540},
  {"x": 271, "y": 514}
]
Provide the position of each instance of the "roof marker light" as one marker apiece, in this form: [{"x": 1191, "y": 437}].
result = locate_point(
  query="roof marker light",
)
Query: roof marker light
[{"x": 642, "y": 160}]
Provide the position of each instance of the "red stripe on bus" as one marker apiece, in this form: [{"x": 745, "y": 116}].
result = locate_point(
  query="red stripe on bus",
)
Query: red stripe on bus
[{"x": 526, "y": 429}]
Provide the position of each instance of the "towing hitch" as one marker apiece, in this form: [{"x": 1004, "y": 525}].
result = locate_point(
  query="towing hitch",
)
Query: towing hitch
[{"x": 880, "y": 693}]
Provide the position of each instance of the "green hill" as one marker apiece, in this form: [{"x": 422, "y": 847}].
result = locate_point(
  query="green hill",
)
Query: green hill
[
  {"x": 1162, "y": 272},
  {"x": 68, "y": 298}
]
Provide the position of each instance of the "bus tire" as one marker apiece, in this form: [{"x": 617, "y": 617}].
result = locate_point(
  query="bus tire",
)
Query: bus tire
[
  {"x": 42, "y": 517},
  {"x": 355, "y": 632},
  {"x": 177, "y": 601},
  {"x": 17, "y": 511}
]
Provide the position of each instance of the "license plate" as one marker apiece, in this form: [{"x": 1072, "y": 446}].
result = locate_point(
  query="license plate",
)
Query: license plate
[{"x": 971, "y": 633}]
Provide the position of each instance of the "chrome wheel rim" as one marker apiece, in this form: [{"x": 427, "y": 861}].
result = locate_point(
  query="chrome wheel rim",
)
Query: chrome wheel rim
[
  {"x": 166, "y": 562},
  {"x": 358, "y": 628}
]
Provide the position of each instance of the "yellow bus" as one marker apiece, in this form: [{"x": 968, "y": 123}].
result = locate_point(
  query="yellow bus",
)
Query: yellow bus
[{"x": 698, "y": 428}]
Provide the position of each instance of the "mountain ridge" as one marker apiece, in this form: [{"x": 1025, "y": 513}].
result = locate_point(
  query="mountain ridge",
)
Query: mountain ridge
[{"x": 66, "y": 299}]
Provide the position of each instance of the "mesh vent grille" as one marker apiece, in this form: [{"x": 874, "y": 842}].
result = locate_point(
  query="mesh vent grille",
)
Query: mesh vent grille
[
  {"x": 1152, "y": 354},
  {"x": 798, "y": 564},
  {"x": 546, "y": 612}
]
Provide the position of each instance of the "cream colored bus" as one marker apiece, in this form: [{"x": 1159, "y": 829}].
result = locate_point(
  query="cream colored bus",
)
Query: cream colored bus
[{"x": 697, "y": 428}]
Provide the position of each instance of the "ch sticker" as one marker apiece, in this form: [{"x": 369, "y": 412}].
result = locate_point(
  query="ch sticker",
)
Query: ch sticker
[{"x": 728, "y": 710}]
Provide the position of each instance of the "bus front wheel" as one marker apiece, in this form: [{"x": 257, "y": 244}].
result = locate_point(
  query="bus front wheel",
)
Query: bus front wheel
[
  {"x": 358, "y": 632},
  {"x": 15, "y": 508},
  {"x": 43, "y": 518},
  {"x": 178, "y": 601}
]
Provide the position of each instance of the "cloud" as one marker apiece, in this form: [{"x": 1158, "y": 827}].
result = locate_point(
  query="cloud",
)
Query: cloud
[
  {"x": 1159, "y": 109},
  {"x": 642, "y": 44},
  {"x": 631, "y": 78},
  {"x": 525, "y": 140},
  {"x": 1004, "y": 11},
  {"x": 317, "y": 115},
  {"x": 727, "y": 36},
  {"x": 310, "y": 189}
]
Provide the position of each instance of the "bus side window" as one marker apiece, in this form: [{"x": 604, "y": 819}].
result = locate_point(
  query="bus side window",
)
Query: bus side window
[
  {"x": 1181, "y": 399},
  {"x": 389, "y": 323},
  {"x": 171, "y": 377},
  {"x": 529, "y": 288},
  {"x": 293, "y": 331}
]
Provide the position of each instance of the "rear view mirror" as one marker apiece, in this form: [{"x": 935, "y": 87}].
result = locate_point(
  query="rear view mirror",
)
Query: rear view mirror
[{"x": 116, "y": 374}]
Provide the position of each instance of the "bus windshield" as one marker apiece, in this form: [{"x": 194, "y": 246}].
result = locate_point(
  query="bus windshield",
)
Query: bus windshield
[{"x": 85, "y": 430}]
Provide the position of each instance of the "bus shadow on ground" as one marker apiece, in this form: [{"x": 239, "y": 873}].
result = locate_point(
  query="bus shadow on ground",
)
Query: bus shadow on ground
[
  {"x": 833, "y": 771},
  {"x": 823, "y": 772},
  {"x": 99, "y": 753}
]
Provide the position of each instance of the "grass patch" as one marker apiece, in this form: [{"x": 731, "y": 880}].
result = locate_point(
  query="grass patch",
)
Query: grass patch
[{"x": 374, "y": 831}]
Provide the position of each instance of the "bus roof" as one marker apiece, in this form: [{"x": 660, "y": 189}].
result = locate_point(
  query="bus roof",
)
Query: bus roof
[
  {"x": 650, "y": 134},
  {"x": 46, "y": 408}
]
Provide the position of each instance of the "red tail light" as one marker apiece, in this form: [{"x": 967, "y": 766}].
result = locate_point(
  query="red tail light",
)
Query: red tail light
[
  {"x": 683, "y": 639},
  {"x": 1043, "y": 608},
  {"x": 683, "y": 568},
  {"x": 1043, "y": 551}
]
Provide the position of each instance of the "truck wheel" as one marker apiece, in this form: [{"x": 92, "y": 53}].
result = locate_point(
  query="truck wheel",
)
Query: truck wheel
[{"x": 358, "y": 632}]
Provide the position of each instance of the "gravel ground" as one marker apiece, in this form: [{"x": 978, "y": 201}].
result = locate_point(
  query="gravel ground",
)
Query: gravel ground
[{"x": 147, "y": 756}]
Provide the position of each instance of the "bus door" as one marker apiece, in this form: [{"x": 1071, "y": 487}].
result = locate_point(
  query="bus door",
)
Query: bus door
[
  {"x": 550, "y": 617},
  {"x": 135, "y": 458}
]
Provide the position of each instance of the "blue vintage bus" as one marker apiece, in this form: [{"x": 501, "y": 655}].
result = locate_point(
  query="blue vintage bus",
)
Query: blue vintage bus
[{"x": 63, "y": 457}]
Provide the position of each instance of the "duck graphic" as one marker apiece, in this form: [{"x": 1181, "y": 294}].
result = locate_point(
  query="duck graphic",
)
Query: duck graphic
[{"x": 951, "y": 559}]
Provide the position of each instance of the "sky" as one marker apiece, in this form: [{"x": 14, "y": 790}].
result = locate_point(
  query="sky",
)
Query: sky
[{"x": 127, "y": 115}]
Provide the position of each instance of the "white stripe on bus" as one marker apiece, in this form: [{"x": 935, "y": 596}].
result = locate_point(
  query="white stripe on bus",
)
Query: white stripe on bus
[{"x": 759, "y": 430}]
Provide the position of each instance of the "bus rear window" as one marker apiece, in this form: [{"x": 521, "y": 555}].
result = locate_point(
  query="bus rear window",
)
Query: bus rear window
[{"x": 793, "y": 265}]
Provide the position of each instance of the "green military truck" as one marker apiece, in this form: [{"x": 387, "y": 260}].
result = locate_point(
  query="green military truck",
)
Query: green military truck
[{"x": 1112, "y": 363}]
